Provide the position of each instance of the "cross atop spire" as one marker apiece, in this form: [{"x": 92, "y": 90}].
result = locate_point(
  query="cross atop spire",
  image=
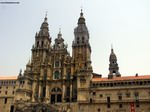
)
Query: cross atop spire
[
  {"x": 46, "y": 14},
  {"x": 112, "y": 50},
  {"x": 59, "y": 30},
  {"x": 81, "y": 14},
  {"x": 45, "y": 19},
  {"x": 81, "y": 8}
]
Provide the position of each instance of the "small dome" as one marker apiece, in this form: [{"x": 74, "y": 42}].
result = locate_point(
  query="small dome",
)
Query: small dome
[
  {"x": 44, "y": 30},
  {"x": 81, "y": 20},
  {"x": 44, "y": 25}
]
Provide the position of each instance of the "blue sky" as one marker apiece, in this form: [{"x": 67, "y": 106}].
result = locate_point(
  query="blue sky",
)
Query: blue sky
[{"x": 123, "y": 23}]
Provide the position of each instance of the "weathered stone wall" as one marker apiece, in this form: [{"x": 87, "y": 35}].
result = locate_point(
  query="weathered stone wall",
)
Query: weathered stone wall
[{"x": 7, "y": 93}]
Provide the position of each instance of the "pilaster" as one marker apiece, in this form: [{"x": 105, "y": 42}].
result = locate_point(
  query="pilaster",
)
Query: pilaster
[
  {"x": 63, "y": 92},
  {"x": 47, "y": 93}
]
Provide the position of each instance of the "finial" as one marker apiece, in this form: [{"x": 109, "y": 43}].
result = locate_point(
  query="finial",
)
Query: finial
[
  {"x": 59, "y": 34},
  {"x": 59, "y": 30},
  {"x": 20, "y": 73},
  {"x": 112, "y": 51},
  {"x": 81, "y": 14},
  {"x": 45, "y": 19},
  {"x": 46, "y": 14},
  {"x": 36, "y": 34},
  {"x": 81, "y": 9},
  {"x": 29, "y": 61}
]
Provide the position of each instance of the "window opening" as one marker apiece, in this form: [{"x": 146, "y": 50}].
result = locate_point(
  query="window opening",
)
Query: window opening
[
  {"x": 37, "y": 44},
  {"x": 42, "y": 44},
  {"x": 57, "y": 64},
  {"x": 56, "y": 75},
  {"x": 94, "y": 93},
  {"x": 108, "y": 99},
  {"x": 119, "y": 97},
  {"x": 77, "y": 40},
  {"x": 82, "y": 39},
  {"x": 120, "y": 105},
  {"x": 5, "y": 101},
  {"x": 108, "y": 105},
  {"x": 12, "y": 108}
]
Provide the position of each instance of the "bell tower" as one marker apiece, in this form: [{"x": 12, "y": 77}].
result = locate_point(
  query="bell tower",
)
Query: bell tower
[
  {"x": 81, "y": 49},
  {"x": 42, "y": 42},
  {"x": 113, "y": 66},
  {"x": 40, "y": 62},
  {"x": 81, "y": 54}
]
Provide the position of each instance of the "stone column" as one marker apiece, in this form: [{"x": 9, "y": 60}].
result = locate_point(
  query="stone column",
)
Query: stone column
[
  {"x": 71, "y": 70},
  {"x": 63, "y": 93},
  {"x": 49, "y": 72},
  {"x": 47, "y": 93},
  {"x": 33, "y": 89},
  {"x": 70, "y": 90},
  {"x": 40, "y": 88}
]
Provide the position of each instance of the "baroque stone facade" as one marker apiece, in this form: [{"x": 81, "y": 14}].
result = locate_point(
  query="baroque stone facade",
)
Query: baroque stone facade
[{"x": 55, "y": 81}]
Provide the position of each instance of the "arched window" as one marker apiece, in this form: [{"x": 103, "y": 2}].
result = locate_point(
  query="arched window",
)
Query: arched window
[
  {"x": 56, "y": 75},
  {"x": 56, "y": 95},
  {"x": 114, "y": 72}
]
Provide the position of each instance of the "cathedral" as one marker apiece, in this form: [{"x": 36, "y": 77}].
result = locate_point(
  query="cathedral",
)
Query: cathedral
[{"x": 55, "y": 81}]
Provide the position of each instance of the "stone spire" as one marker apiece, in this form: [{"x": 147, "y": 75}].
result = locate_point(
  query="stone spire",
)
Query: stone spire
[
  {"x": 113, "y": 66},
  {"x": 42, "y": 38},
  {"x": 81, "y": 47}
]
